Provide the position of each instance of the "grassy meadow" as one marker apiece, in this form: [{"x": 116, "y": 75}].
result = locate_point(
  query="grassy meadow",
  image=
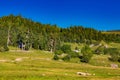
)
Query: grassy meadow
[
  {"x": 113, "y": 32},
  {"x": 38, "y": 65}
]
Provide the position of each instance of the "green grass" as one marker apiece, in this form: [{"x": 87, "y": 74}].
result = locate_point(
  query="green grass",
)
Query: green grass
[
  {"x": 114, "y": 32},
  {"x": 102, "y": 60},
  {"x": 115, "y": 45},
  {"x": 74, "y": 45},
  {"x": 38, "y": 65}
]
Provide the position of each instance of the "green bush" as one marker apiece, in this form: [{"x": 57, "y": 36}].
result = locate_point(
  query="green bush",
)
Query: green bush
[
  {"x": 56, "y": 57},
  {"x": 114, "y": 55},
  {"x": 66, "y": 48},
  {"x": 66, "y": 58},
  {"x": 86, "y": 54},
  {"x": 1, "y": 49},
  {"x": 6, "y": 48},
  {"x": 26, "y": 47},
  {"x": 106, "y": 51},
  {"x": 58, "y": 52},
  {"x": 73, "y": 54},
  {"x": 119, "y": 59},
  {"x": 100, "y": 50},
  {"x": 110, "y": 50}
]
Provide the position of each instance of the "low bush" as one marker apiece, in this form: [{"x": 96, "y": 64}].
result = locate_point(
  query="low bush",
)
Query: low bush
[
  {"x": 86, "y": 54},
  {"x": 58, "y": 52},
  {"x": 100, "y": 50},
  {"x": 73, "y": 54},
  {"x": 66, "y": 58},
  {"x": 66, "y": 48},
  {"x": 56, "y": 57},
  {"x": 6, "y": 48},
  {"x": 114, "y": 54}
]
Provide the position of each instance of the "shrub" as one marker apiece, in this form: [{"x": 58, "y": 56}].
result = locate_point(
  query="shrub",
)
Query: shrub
[
  {"x": 66, "y": 48},
  {"x": 1, "y": 49},
  {"x": 114, "y": 55},
  {"x": 58, "y": 52},
  {"x": 100, "y": 50},
  {"x": 73, "y": 54},
  {"x": 27, "y": 47},
  {"x": 86, "y": 54},
  {"x": 106, "y": 51},
  {"x": 119, "y": 59},
  {"x": 76, "y": 48},
  {"x": 56, "y": 57},
  {"x": 66, "y": 58},
  {"x": 6, "y": 48},
  {"x": 110, "y": 50}
]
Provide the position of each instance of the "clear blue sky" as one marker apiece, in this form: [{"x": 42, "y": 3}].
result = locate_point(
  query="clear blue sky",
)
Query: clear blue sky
[{"x": 99, "y": 14}]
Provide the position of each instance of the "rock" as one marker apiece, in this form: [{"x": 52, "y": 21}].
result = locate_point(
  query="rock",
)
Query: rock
[
  {"x": 83, "y": 74},
  {"x": 114, "y": 66},
  {"x": 94, "y": 74},
  {"x": 3, "y": 60},
  {"x": 77, "y": 51},
  {"x": 18, "y": 59},
  {"x": 66, "y": 74},
  {"x": 91, "y": 45},
  {"x": 48, "y": 59},
  {"x": 43, "y": 74}
]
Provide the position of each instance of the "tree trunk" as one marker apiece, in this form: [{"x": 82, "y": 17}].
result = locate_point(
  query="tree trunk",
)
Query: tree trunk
[{"x": 8, "y": 36}]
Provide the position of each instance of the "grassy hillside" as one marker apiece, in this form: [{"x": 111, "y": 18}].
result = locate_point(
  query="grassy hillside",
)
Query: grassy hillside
[
  {"x": 38, "y": 65},
  {"x": 111, "y": 32}
]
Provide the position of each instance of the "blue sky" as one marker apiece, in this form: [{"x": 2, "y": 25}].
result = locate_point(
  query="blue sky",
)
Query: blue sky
[{"x": 98, "y": 14}]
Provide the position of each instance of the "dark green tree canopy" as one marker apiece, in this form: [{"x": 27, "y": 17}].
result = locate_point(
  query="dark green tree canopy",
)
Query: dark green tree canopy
[{"x": 16, "y": 29}]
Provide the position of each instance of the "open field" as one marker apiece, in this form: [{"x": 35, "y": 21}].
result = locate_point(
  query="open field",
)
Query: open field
[
  {"x": 38, "y": 65},
  {"x": 117, "y": 32}
]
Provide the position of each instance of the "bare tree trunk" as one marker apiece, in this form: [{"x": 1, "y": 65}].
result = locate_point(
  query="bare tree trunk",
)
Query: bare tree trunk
[
  {"x": 51, "y": 50},
  {"x": 51, "y": 45},
  {"x": 8, "y": 36}
]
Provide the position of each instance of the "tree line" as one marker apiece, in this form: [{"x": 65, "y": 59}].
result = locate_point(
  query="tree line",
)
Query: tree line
[{"x": 25, "y": 34}]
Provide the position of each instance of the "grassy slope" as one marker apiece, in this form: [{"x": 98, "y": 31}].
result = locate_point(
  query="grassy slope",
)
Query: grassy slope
[
  {"x": 38, "y": 65},
  {"x": 114, "y": 32}
]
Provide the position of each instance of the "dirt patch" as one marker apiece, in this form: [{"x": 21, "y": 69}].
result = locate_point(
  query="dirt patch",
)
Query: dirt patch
[
  {"x": 23, "y": 51},
  {"x": 4, "y": 60}
]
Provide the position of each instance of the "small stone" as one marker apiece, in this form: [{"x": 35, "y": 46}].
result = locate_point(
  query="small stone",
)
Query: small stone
[
  {"x": 43, "y": 74},
  {"x": 83, "y": 74}
]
